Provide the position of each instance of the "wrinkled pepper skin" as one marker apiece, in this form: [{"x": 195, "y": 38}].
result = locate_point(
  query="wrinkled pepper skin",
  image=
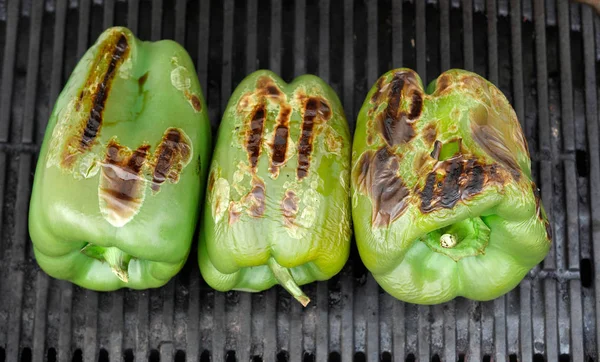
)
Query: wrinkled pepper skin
[
  {"x": 443, "y": 202},
  {"x": 119, "y": 176},
  {"x": 278, "y": 201}
]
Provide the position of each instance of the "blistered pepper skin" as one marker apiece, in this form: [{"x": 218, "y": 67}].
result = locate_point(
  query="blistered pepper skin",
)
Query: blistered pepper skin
[
  {"x": 278, "y": 200},
  {"x": 122, "y": 165},
  {"x": 443, "y": 202}
]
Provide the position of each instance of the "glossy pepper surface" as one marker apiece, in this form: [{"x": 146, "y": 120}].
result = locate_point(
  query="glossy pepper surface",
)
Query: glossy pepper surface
[
  {"x": 278, "y": 205},
  {"x": 443, "y": 201},
  {"x": 118, "y": 179}
]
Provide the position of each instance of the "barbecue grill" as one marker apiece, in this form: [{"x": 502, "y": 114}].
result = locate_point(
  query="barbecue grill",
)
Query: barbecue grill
[{"x": 541, "y": 53}]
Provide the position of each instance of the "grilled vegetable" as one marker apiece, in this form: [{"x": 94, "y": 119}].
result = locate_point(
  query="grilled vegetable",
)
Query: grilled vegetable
[
  {"x": 278, "y": 205},
  {"x": 443, "y": 202},
  {"x": 118, "y": 179}
]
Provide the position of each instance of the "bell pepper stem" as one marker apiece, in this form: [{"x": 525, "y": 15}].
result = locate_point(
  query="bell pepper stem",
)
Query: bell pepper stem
[
  {"x": 116, "y": 259},
  {"x": 285, "y": 279}
]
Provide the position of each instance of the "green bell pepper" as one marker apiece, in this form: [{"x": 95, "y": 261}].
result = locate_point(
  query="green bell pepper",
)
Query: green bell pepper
[
  {"x": 442, "y": 198},
  {"x": 119, "y": 175},
  {"x": 278, "y": 203}
]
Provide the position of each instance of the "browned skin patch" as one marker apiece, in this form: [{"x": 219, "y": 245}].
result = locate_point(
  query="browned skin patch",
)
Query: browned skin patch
[
  {"x": 437, "y": 147},
  {"x": 378, "y": 90},
  {"x": 538, "y": 211},
  {"x": 492, "y": 142},
  {"x": 394, "y": 123},
  {"x": 430, "y": 133},
  {"x": 118, "y": 47},
  {"x": 266, "y": 87},
  {"x": 289, "y": 207},
  {"x": 378, "y": 177},
  {"x": 171, "y": 155},
  {"x": 254, "y": 134},
  {"x": 142, "y": 80},
  {"x": 257, "y": 198},
  {"x": 122, "y": 182},
  {"x": 315, "y": 110},
  {"x": 280, "y": 139},
  {"x": 194, "y": 100},
  {"x": 443, "y": 82},
  {"x": 234, "y": 215},
  {"x": 457, "y": 179},
  {"x": 211, "y": 181}
]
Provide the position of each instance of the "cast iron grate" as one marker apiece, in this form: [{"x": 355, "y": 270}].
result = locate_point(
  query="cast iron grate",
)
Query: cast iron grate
[{"x": 541, "y": 53}]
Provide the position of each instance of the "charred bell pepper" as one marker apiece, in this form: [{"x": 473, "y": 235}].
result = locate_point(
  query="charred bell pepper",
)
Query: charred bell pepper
[
  {"x": 278, "y": 201},
  {"x": 443, "y": 202},
  {"x": 119, "y": 175}
]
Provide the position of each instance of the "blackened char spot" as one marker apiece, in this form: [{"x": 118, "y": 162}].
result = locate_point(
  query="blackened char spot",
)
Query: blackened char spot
[
  {"x": 268, "y": 88},
  {"x": 475, "y": 179},
  {"x": 171, "y": 155},
  {"x": 417, "y": 106},
  {"x": 280, "y": 139},
  {"x": 393, "y": 123},
  {"x": 450, "y": 189},
  {"x": 254, "y": 136},
  {"x": 378, "y": 177},
  {"x": 428, "y": 192},
  {"x": 94, "y": 122}
]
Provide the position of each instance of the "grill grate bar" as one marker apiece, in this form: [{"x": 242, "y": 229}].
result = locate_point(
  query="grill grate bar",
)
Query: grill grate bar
[
  {"x": 347, "y": 290},
  {"x": 469, "y": 63},
  {"x": 396, "y": 34},
  {"x": 12, "y": 26},
  {"x": 591, "y": 109},
  {"x": 32, "y": 72},
  {"x": 445, "y": 34},
  {"x": 133, "y": 12},
  {"x": 157, "y": 10},
  {"x": 275, "y": 51},
  {"x": 421, "y": 40}
]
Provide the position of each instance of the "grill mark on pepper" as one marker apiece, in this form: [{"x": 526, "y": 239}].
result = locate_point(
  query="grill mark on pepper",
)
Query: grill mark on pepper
[
  {"x": 393, "y": 124},
  {"x": 94, "y": 94},
  {"x": 289, "y": 207},
  {"x": 315, "y": 109},
  {"x": 254, "y": 135},
  {"x": 142, "y": 80},
  {"x": 378, "y": 178},
  {"x": 121, "y": 189},
  {"x": 488, "y": 138},
  {"x": 94, "y": 122},
  {"x": 280, "y": 139},
  {"x": 172, "y": 154},
  {"x": 459, "y": 180}
]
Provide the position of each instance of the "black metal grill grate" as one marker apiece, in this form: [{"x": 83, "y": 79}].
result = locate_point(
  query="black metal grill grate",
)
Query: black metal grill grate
[{"x": 541, "y": 53}]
